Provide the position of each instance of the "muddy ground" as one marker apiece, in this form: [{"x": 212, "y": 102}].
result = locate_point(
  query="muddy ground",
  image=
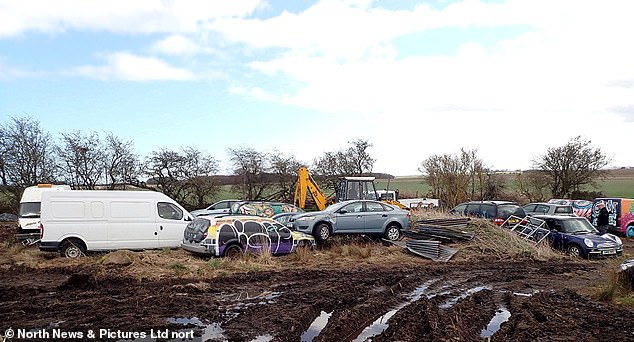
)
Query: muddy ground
[{"x": 324, "y": 296}]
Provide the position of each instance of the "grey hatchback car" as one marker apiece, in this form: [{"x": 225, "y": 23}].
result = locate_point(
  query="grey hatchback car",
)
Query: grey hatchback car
[
  {"x": 548, "y": 209},
  {"x": 354, "y": 217}
]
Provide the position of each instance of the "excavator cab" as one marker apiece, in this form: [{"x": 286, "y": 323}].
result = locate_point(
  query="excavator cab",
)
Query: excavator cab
[{"x": 351, "y": 188}]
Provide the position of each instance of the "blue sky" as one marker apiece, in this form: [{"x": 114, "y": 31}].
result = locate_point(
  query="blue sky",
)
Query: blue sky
[{"x": 416, "y": 78}]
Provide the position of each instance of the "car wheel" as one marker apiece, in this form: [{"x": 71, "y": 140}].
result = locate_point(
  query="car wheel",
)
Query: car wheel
[
  {"x": 322, "y": 232},
  {"x": 576, "y": 251},
  {"x": 393, "y": 233},
  {"x": 630, "y": 231},
  {"x": 72, "y": 249},
  {"x": 233, "y": 251}
]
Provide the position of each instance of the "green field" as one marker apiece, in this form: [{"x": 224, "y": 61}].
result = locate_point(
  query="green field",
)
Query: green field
[
  {"x": 619, "y": 183},
  {"x": 413, "y": 186}
]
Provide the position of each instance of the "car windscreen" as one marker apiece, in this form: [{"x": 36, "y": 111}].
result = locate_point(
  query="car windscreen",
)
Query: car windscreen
[
  {"x": 578, "y": 226},
  {"x": 563, "y": 210},
  {"x": 506, "y": 210},
  {"x": 30, "y": 209}
]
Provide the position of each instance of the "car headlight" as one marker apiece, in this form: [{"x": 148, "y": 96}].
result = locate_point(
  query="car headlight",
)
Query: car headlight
[
  {"x": 588, "y": 242},
  {"x": 306, "y": 218}
]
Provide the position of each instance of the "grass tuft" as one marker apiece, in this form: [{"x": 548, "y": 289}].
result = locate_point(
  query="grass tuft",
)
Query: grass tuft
[{"x": 216, "y": 263}]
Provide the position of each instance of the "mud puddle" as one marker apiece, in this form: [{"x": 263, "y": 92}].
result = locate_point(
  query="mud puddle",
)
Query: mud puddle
[
  {"x": 209, "y": 331},
  {"x": 467, "y": 293},
  {"x": 501, "y": 315},
  {"x": 316, "y": 327},
  {"x": 380, "y": 324}
]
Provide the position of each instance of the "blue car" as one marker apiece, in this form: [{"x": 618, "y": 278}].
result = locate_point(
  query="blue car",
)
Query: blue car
[
  {"x": 578, "y": 237},
  {"x": 354, "y": 217}
]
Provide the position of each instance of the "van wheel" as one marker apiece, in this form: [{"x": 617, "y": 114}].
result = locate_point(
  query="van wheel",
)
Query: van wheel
[
  {"x": 233, "y": 251},
  {"x": 629, "y": 232},
  {"x": 72, "y": 249}
]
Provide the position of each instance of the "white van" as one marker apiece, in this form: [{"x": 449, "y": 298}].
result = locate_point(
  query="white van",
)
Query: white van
[
  {"x": 76, "y": 221},
  {"x": 29, "y": 215}
]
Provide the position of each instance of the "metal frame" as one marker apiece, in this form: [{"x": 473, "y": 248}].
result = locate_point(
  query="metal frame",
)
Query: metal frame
[{"x": 526, "y": 229}]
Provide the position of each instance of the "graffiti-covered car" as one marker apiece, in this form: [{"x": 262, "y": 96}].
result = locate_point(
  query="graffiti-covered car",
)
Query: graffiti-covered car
[
  {"x": 577, "y": 237},
  {"x": 263, "y": 208},
  {"x": 620, "y": 215},
  {"x": 231, "y": 235},
  {"x": 354, "y": 217}
]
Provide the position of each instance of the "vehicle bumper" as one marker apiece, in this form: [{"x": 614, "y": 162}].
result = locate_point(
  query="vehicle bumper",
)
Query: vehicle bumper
[
  {"x": 303, "y": 228},
  {"x": 52, "y": 246},
  {"x": 199, "y": 248},
  {"x": 605, "y": 252}
]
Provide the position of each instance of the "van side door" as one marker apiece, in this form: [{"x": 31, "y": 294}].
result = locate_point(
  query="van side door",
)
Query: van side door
[
  {"x": 170, "y": 224},
  {"x": 131, "y": 224}
]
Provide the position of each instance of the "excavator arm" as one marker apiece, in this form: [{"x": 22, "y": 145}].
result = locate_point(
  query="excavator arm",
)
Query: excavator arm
[{"x": 305, "y": 185}]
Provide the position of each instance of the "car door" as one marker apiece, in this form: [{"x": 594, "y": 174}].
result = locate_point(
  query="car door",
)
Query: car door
[
  {"x": 473, "y": 209},
  {"x": 221, "y": 207},
  {"x": 375, "y": 217},
  {"x": 349, "y": 219},
  {"x": 281, "y": 237},
  {"x": 170, "y": 224},
  {"x": 529, "y": 209},
  {"x": 542, "y": 209},
  {"x": 556, "y": 233}
]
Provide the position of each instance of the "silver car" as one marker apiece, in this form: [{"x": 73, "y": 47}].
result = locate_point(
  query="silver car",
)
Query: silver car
[
  {"x": 548, "y": 209},
  {"x": 220, "y": 207},
  {"x": 354, "y": 217}
]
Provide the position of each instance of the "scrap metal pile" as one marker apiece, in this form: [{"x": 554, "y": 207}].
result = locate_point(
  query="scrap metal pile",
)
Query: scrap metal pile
[
  {"x": 443, "y": 230},
  {"x": 425, "y": 237}
]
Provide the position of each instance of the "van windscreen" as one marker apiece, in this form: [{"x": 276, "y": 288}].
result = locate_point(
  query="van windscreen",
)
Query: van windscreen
[{"x": 30, "y": 209}]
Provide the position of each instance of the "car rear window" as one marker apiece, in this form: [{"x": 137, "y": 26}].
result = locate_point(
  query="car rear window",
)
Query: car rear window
[
  {"x": 487, "y": 211},
  {"x": 563, "y": 210},
  {"x": 506, "y": 210},
  {"x": 198, "y": 226}
]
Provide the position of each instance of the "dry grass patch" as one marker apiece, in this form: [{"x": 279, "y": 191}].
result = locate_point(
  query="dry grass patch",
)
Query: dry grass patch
[{"x": 501, "y": 243}]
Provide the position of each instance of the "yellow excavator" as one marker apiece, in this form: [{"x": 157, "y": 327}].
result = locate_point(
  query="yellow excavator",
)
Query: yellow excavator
[{"x": 348, "y": 188}]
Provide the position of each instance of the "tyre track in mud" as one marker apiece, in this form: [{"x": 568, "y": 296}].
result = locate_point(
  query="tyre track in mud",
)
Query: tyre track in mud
[{"x": 540, "y": 297}]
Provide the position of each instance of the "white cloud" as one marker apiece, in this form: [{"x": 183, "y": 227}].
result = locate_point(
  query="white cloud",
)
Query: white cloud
[
  {"x": 129, "y": 67},
  {"x": 140, "y": 16},
  {"x": 544, "y": 86},
  {"x": 179, "y": 45}
]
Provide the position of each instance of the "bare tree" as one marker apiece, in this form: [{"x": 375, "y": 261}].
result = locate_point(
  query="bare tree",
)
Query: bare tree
[
  {"x": 353, "y": 161},
  {"x": 81, "y": 159},
  {"x": 251, "y": 167},
  {"x": 184, "y": 176},
  {"x": 357, "y": 157},
  {"x": 532, "y": 184},
  {"x": 200, "y": 167},
  {"x": 327, "y": 168},
  {"x": 570, "y": 167},
  {"x": 121, "y": 164},
  {"x": 457, "y": 178},
  {"x": 4, "y": 155},
  {"x": 284, "y": 169},
  {"x": 27, "y": 153}
]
